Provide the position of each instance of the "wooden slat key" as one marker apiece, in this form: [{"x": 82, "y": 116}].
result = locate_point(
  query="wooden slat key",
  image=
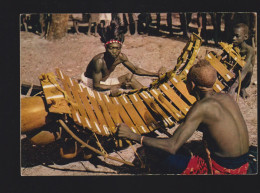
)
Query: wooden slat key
[
  {"x": 105, "y": 111},
  {"x": 76, "y": 90},
  {"x": 162, "y": 116},
  {"x": 71, "y": 99},
  {"x": 177, "y": 115},
  {"x": 174, "y": 98},
  {"x": 220, "y": 68},
  {"x": 100, "y": 117},
  {"x": 181, "y": 86},
  {"x": 111, "y": 108},
  {"x": 143, "y": 111},
  {"x": 123, "y": 114},
  {"x": 133, "y": 114},
  {"x": 94, "y": 124},
  {"x": 218, "y": 86}
]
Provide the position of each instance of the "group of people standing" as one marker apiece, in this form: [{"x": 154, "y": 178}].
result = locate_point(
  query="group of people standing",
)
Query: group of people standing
[{"x": 141, "y": 23}]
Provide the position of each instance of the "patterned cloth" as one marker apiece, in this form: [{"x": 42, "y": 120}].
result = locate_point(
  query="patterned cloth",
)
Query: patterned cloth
[{"x": 198, "y": 165}]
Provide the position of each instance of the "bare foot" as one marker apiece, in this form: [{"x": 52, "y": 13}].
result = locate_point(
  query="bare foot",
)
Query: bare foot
[
  {"x": 115, "y": 92},
  {"x": 244, "y": 94}
]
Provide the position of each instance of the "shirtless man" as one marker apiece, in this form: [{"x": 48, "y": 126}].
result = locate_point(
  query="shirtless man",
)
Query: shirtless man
[
  {"x": 103, "y": 64},
  {"x": 240, "y": 35},
  {"x": 218, "y": 116}
]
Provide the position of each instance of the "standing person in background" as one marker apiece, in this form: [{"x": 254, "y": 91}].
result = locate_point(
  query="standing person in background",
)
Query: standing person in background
[
  {"x": 216, "y": 22},
  {"x": 130, "y": 18}
]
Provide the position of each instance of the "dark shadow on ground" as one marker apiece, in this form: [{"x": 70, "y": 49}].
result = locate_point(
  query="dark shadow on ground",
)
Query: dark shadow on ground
[{"x": 49, "y": 155}]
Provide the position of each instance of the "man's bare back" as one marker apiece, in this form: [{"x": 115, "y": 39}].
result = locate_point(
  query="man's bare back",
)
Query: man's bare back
[{"x": 223, "y": 125}]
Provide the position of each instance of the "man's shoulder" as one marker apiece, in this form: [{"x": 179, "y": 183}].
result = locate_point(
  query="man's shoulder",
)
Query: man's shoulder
[
  {"x": 98, "y": 56},
  {"x": 249, "y": 49},
  {"x": 208, "y": 102}
]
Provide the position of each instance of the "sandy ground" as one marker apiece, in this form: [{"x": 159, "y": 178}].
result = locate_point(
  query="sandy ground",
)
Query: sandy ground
[{"x": 72, "y": 55}]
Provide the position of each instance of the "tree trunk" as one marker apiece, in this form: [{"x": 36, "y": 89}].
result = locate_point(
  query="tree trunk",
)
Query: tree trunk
[{"x": 58, "y": 26}]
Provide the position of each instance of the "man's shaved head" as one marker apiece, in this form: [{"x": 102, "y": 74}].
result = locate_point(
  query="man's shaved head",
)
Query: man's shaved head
[{"x": 203, "y": 74}]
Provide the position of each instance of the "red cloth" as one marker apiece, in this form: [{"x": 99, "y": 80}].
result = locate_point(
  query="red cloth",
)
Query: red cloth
[{"x": 198, "y": 165}]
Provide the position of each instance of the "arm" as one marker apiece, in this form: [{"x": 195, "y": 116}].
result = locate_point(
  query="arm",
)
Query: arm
[
  {"x": 180, "y": 136},
  {"x": 97, "y": 77},
  {"x": 136, "y": 70}
]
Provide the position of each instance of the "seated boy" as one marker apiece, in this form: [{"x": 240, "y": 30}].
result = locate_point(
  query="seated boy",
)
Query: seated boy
[{"x": 240, "y": 35}]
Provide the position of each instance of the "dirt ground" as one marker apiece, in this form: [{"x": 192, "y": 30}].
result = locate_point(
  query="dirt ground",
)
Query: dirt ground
[{"x": 72, "y": 55}]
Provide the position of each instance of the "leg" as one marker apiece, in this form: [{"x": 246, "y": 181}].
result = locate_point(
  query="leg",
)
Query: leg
[
  {"x": 216, "y": 21},
  {"x": 213, "y": 21},
  {"x": 121, "y": 19},
  {"x": 147, "y": 20},
  {"x": 95, "y": 29},
  {"x": 253, "y": 28},
  {"x": 204, "y": 27},
  {"x": 183, "y": 21},
  {"x": 218, "y": 27},
  {"x": 228, "y": 27},
  {"x": 24, "y": 22},
  {"x": 131, "y": 21},
  {"x": 199, "y": 22},
  {"x": 135, "y": 20},
  {"x": 245, "y": 83},
  {"x": 130, "y": 81},
  {"x": 158, "y": 19},
  {"x": 89, "y": 28},
  {"x": 188, "y": 16},
  {"x": 76, "y": 27},
  {"x": 169, "y": 22},
  {"x": 127, "y": 24},
  {"x": 25, "y": 25},
  {"x": 44, "y": 23},
  {"x": 136, "y": 25},
  {"x": 161, "y": 162},
  {"x": 188, "y": 19},
  {"x": 89, "y": 25}
]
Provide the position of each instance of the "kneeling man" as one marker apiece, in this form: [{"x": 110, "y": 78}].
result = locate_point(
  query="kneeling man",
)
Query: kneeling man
[{"x": 218, "y": 116}]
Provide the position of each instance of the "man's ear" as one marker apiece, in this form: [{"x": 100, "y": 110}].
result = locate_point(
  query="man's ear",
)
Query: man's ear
[
  {"x": 192, "y": 85},
  {"x": 246, "y": 36}
]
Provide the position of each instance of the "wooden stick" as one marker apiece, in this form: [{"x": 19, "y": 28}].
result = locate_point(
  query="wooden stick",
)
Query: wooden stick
[
  {"x": 90, "y": 147},
  {"x": 239, "y": 87}
]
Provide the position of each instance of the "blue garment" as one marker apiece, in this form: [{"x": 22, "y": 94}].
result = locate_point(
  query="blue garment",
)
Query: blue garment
[
  {"x": 231, "y": 162},
  {"x": 175, "y": 163}
]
